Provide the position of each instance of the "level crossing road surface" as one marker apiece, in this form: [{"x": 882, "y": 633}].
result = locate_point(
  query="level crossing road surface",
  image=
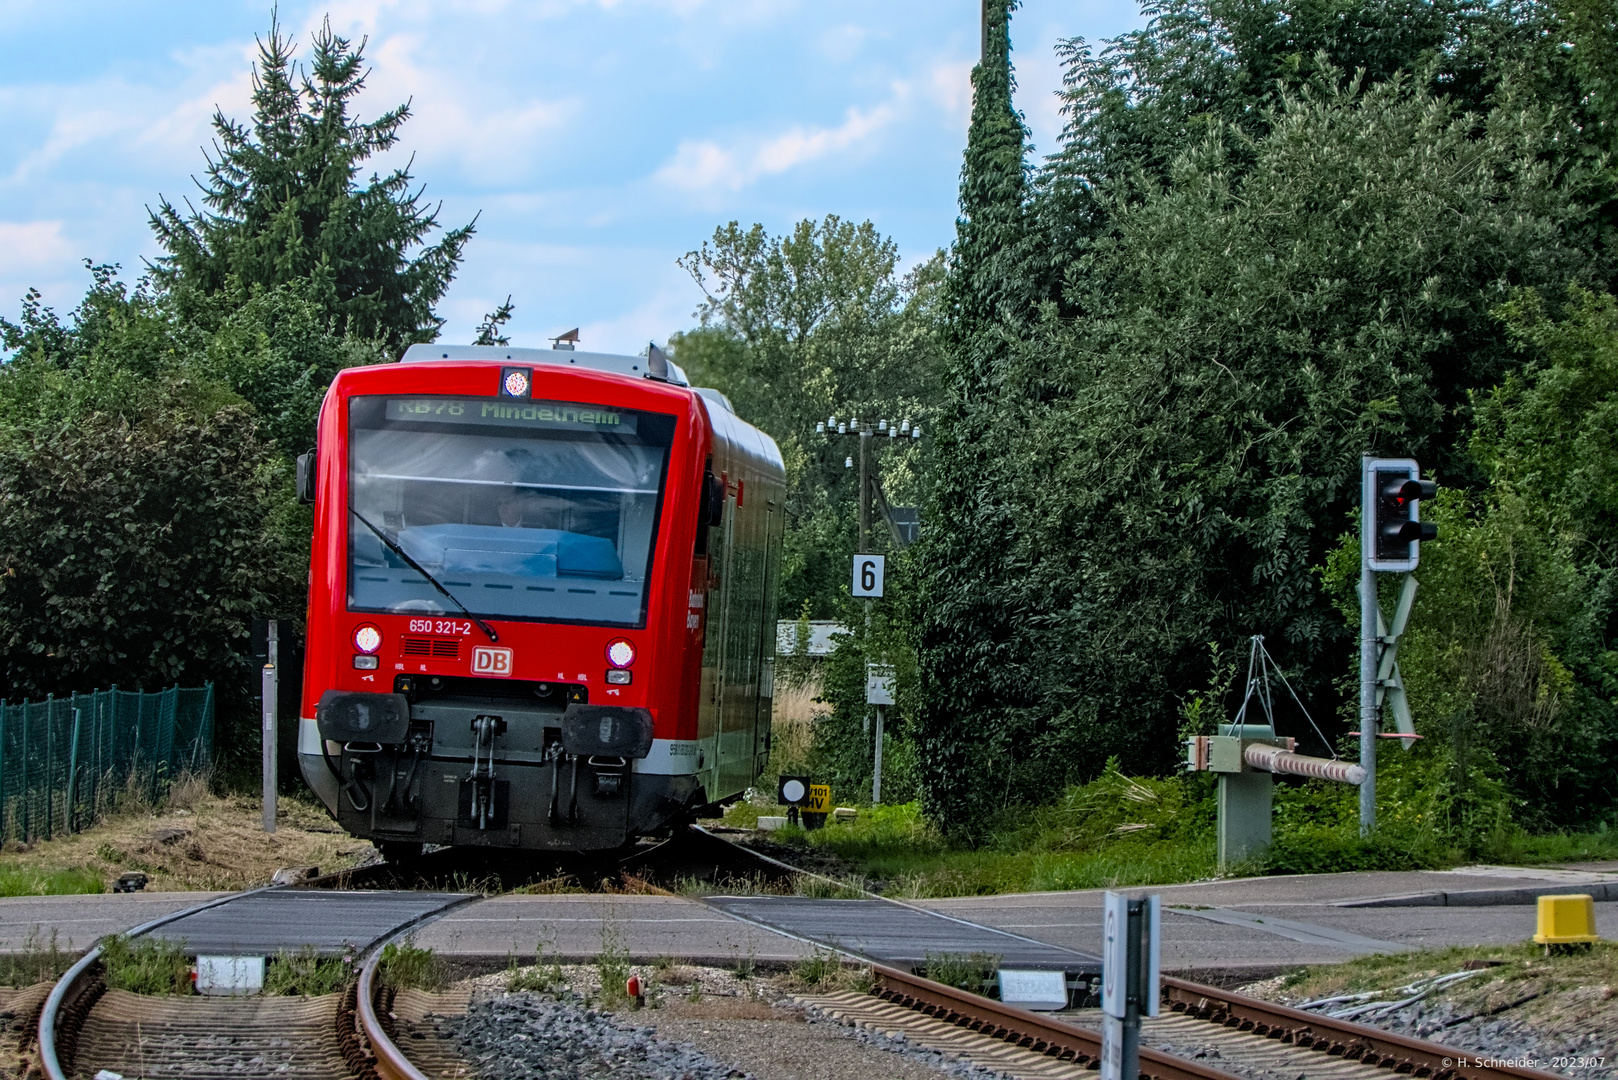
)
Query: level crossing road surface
[
  {"x": 578, "y": 927},
  {"x": 332, "y": 923},
  {"x": 1255, "y": 924},
  {"x": 1243, "y": 925},
  {"x": 904, "y": 936}
]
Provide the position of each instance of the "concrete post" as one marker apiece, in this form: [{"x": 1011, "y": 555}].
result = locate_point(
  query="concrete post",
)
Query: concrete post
[{"x": 876, "y": 765}]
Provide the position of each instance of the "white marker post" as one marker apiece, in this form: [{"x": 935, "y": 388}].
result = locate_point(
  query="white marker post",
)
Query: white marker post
[
  {"x": 869, "y": 571},
  {"x": 878, "y": 692},
  {"x": 1131, "y": 973},
  {"x": 271, "y": 680}
]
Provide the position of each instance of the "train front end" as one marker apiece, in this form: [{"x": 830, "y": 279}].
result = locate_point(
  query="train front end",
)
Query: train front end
[{"x": 506, "y": 622}]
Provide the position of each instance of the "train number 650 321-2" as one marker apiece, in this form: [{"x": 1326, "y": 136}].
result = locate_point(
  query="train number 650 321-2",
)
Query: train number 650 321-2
[{"x": 440, "y": 626}]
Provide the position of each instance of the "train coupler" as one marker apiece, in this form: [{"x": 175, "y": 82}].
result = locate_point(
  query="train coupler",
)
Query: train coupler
[{"x": 485, "y": 729}]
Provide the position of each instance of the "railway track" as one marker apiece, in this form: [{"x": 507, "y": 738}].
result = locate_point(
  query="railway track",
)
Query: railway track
[
  {"x": 369, "y": 1032},
  {"x": 83, "y": 1026},
  {"x": 1256, "y": 1038},
  {"x": 1245, "y": 1036}
]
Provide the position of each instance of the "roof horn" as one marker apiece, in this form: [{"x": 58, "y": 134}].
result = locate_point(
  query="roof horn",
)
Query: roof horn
[{"x": 657, "y": 363}]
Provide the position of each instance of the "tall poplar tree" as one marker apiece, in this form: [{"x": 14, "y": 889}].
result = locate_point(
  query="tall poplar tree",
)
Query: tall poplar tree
[{"x": 964, "y": 640}]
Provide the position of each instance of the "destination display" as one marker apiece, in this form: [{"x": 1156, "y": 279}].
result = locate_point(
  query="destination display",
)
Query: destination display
[{"x": 507, "y": 412}]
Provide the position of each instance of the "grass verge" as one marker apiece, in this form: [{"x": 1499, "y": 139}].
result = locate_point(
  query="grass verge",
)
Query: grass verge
[
  {"x": 306, "y": 973},
  {"x": 196, "y": 839},
  {"x": 1124, "y": 832},
  {"x": 407, "y": 966},
  {"x": 38, "y": 961},
  {"x": 1495, "y": 993},
  {"x": 146, "y": 965},
  {"x": 43, "y": 881},
  {"x": 1499, "y": 967}
]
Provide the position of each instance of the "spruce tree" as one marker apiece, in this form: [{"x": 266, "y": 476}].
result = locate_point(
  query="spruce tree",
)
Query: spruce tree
[{"x": 283, "y": 203}]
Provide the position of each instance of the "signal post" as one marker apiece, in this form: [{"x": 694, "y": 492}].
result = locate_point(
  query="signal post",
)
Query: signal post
[
  {"x": 1391, "y": 531},
  {"x": 870, "y": 569}
]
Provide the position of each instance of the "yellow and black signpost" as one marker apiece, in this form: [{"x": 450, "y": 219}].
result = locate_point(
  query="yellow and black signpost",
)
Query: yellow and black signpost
[{"x": 817, "y": 807}]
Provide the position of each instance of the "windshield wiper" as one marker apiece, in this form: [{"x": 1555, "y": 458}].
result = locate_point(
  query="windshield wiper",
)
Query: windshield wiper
[{"x": 394, "y": 547}]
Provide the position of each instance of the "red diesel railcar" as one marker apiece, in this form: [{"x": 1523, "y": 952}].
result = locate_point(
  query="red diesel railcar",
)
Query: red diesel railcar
[{"x": 542, "y": 599}]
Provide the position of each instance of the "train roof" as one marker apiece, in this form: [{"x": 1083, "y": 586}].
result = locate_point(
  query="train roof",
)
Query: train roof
[
  {"x": 612, "y": 363},
  {"x": 633, "y": 366}
]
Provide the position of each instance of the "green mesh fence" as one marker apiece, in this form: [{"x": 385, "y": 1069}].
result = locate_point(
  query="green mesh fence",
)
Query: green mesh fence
[{"x": 66, "y": 761}]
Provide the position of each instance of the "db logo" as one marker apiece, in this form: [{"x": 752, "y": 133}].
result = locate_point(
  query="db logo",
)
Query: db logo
[{"x": 487, "y": 661}]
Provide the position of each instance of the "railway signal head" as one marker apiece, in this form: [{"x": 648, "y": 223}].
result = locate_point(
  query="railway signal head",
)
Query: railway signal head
[{"x": 1394, "y": 494}]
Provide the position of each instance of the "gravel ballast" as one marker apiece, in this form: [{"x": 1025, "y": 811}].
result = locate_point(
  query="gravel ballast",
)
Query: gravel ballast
[
  {"x": 725, "y": 1029},
  {"x": 1589, "y": 1055},
  {"x": 515, "y": 1036}
]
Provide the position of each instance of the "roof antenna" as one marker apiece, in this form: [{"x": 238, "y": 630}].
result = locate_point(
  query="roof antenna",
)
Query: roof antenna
[
  {"x": 566, "y": 341},
  {"x": 657, "y": 363}
]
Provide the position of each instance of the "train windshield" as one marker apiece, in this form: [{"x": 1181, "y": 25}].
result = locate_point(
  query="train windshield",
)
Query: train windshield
[{"x": 521, "y": 509}]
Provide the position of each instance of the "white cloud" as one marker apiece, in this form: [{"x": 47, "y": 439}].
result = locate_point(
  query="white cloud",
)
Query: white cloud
[
  {"x": 707, "y": 166},
  {"x": 485, "y": 129},
  {"x": 627, "y": 332},
  {"x": 704, "y": 165},
  {"x": 31, "y": 245},
  {"x": 132, "y": 124}
]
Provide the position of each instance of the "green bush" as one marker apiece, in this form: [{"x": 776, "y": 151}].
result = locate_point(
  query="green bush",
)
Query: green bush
[
  {"x": 1333, "y": 851},
  {"x": 1165, "y": 367},
  {"x": 1112, "y": 809}
]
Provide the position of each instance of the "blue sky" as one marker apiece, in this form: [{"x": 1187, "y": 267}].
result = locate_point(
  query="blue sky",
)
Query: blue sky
[{"x": 599, "y": 139}]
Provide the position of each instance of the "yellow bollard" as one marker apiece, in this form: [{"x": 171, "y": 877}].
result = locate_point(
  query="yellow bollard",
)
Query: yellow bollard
[{"x": 1566, "y": 920}]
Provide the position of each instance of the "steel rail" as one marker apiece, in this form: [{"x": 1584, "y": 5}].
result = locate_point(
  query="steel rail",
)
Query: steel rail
[
  {"x": 74, "y": 981},
  {"x": 391, "y": 1063},
  {"x": 1339, "y": 1038},
  {"x": 1029, "y": 1030}
]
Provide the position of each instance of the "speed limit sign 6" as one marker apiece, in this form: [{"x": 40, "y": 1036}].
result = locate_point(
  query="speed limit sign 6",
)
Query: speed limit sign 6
[{"x": 868, "y": 571}]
